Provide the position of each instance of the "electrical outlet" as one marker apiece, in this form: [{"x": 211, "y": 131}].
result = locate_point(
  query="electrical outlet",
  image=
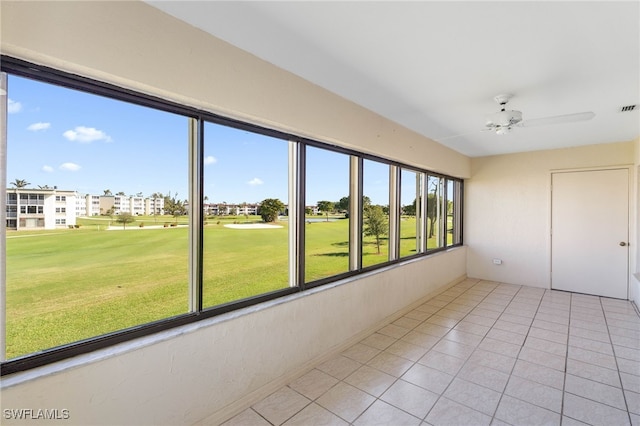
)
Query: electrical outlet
[{"x": 497, "y": 261}]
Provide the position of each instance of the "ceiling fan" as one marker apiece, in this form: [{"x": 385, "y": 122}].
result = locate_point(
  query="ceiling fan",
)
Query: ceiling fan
[{"x": 503, "y": 121}]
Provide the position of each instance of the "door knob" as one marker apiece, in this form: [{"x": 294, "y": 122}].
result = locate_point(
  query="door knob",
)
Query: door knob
[{"x": 622, "y": 243}]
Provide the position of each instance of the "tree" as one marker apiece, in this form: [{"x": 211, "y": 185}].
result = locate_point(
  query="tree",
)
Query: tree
[
  {"x": 173, "y": 206},
  {"x": 125, "y": 218},
  {"x": 375, "y": 224},
  {"x": 20, "y": 183},
  {"x": 432, "y": 212},
  {"x": 325, "y": 206},
  {"x": 270, "y": 208},
  {"x": 342, "y": 205},
  {"x": 366, "y": 202},
  {"x": 410, "y": 209},
  {"x": 121, "y": 193},
  {"x": 44, "y": 187},
  {"x": 107, "y": 192}
]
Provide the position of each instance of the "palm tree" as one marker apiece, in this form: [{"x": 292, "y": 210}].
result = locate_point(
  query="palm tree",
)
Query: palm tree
[{"x": 20, "y": 183}]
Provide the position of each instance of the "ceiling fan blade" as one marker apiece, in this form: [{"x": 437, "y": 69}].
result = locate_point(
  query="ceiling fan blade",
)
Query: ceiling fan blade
[
  {"x": 557, "y": 119},
  {"x": 461, "y": 135}
]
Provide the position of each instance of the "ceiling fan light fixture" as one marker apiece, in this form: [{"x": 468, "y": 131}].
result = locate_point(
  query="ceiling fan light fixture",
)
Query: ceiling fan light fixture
[
  {"x": 503, "y": 130},
  {"x": 504, "y": 118}
]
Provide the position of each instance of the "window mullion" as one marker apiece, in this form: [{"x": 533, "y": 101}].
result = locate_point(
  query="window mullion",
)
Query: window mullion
[
  {"x": 355, "y": 213},
  {"x": 296, "y": 213},
  {"x": 442, "y": 211},
  {"x": 421, "y": 212},
  {"x": 196, "y": 141},
  {"x": 394, "y": 212}
]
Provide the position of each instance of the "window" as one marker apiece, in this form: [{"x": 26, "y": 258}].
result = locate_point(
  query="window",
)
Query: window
[
  {"x": 226, "y": 214},
  {"x": 375, "y": 213},
  {"x": 73, "y": 285},
  {"x": 326, "y": 214},
  {"x": 435, "y": 212},
  {"x": 454, "y": 220},
  {"x": 410, "y": 212},
  {"x": 245, "y": 243}
]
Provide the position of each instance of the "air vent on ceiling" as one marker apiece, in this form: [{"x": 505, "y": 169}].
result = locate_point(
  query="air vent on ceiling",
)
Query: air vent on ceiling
[{"x": 628, "y": 108}]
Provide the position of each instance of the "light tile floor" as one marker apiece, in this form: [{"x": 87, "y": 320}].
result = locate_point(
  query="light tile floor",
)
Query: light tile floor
[{"x": 479, "y": 353}]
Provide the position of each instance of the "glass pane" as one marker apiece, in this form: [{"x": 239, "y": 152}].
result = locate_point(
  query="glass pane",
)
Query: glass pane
[
  {"x": 435, "y": 199},
  {"x": 327, "y": 214},
  {"x": 84, "y": 173},
  {"x": 375, "y": 217},
  {"x": 246, "y": 249},
  {"x": 409, "y": 197},
  {"x": 450, "y": 211}
]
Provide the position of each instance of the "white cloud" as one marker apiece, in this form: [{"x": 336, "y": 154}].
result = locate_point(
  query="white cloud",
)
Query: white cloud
[
  {"x": 71, "y": 167},
  {"x": 47, "y": 169},
  {"x": 86, "y": 135},
  {"x": 255, "y": 181},
  {"x": 13, "y": 106},
  {"x": 210, "y": 159},
  {"x": 39, "y": 126}
]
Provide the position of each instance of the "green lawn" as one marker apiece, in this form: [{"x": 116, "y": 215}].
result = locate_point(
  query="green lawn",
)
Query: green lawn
[{"x": 71, "y": 284}]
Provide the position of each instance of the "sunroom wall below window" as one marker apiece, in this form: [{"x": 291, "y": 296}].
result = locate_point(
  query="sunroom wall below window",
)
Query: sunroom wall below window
[{"x": 211, "y": 369}]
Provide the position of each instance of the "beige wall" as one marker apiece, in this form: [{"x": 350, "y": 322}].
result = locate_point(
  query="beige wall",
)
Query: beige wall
[
  {"x": 635, "y": 281},
  {"x": 508, "y": 209},
  {"x": 190, "y": 373}
]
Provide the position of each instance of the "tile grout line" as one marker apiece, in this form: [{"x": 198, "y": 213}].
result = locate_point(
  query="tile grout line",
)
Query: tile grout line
[
  {"x": 516, "y": 357},
  {"x": 468, "y": 292},
  {"x": 475, "y": 348},
  {"x": 615, "y": 358}
]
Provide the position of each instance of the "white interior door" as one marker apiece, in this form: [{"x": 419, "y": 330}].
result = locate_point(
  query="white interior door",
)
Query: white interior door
[{"x": 590, "y": 232}]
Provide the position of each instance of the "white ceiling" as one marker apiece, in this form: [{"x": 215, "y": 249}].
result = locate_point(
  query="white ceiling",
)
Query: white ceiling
[{"x": 435, "y": 67}]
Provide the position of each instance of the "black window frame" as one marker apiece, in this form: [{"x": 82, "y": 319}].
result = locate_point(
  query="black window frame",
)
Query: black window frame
[{"x": 45, "y": 74}]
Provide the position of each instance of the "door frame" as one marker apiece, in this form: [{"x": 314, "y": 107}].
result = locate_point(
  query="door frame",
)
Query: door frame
[{"x": 632, "y": 214}]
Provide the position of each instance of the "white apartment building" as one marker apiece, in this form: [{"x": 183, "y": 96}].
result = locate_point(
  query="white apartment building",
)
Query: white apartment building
[
  {"x": 154, "y": 206},
  {"x": 224, "y": 209},
  {"x": 40, "y": 208},
  {"x": 53, "y": 208}
]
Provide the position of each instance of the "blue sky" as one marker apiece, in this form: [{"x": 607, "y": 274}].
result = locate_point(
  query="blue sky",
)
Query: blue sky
[{"x": 87, "y": 143}]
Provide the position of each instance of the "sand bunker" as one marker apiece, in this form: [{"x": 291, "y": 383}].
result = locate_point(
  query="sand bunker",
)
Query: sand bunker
[{"x": 252, "y": 226}]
